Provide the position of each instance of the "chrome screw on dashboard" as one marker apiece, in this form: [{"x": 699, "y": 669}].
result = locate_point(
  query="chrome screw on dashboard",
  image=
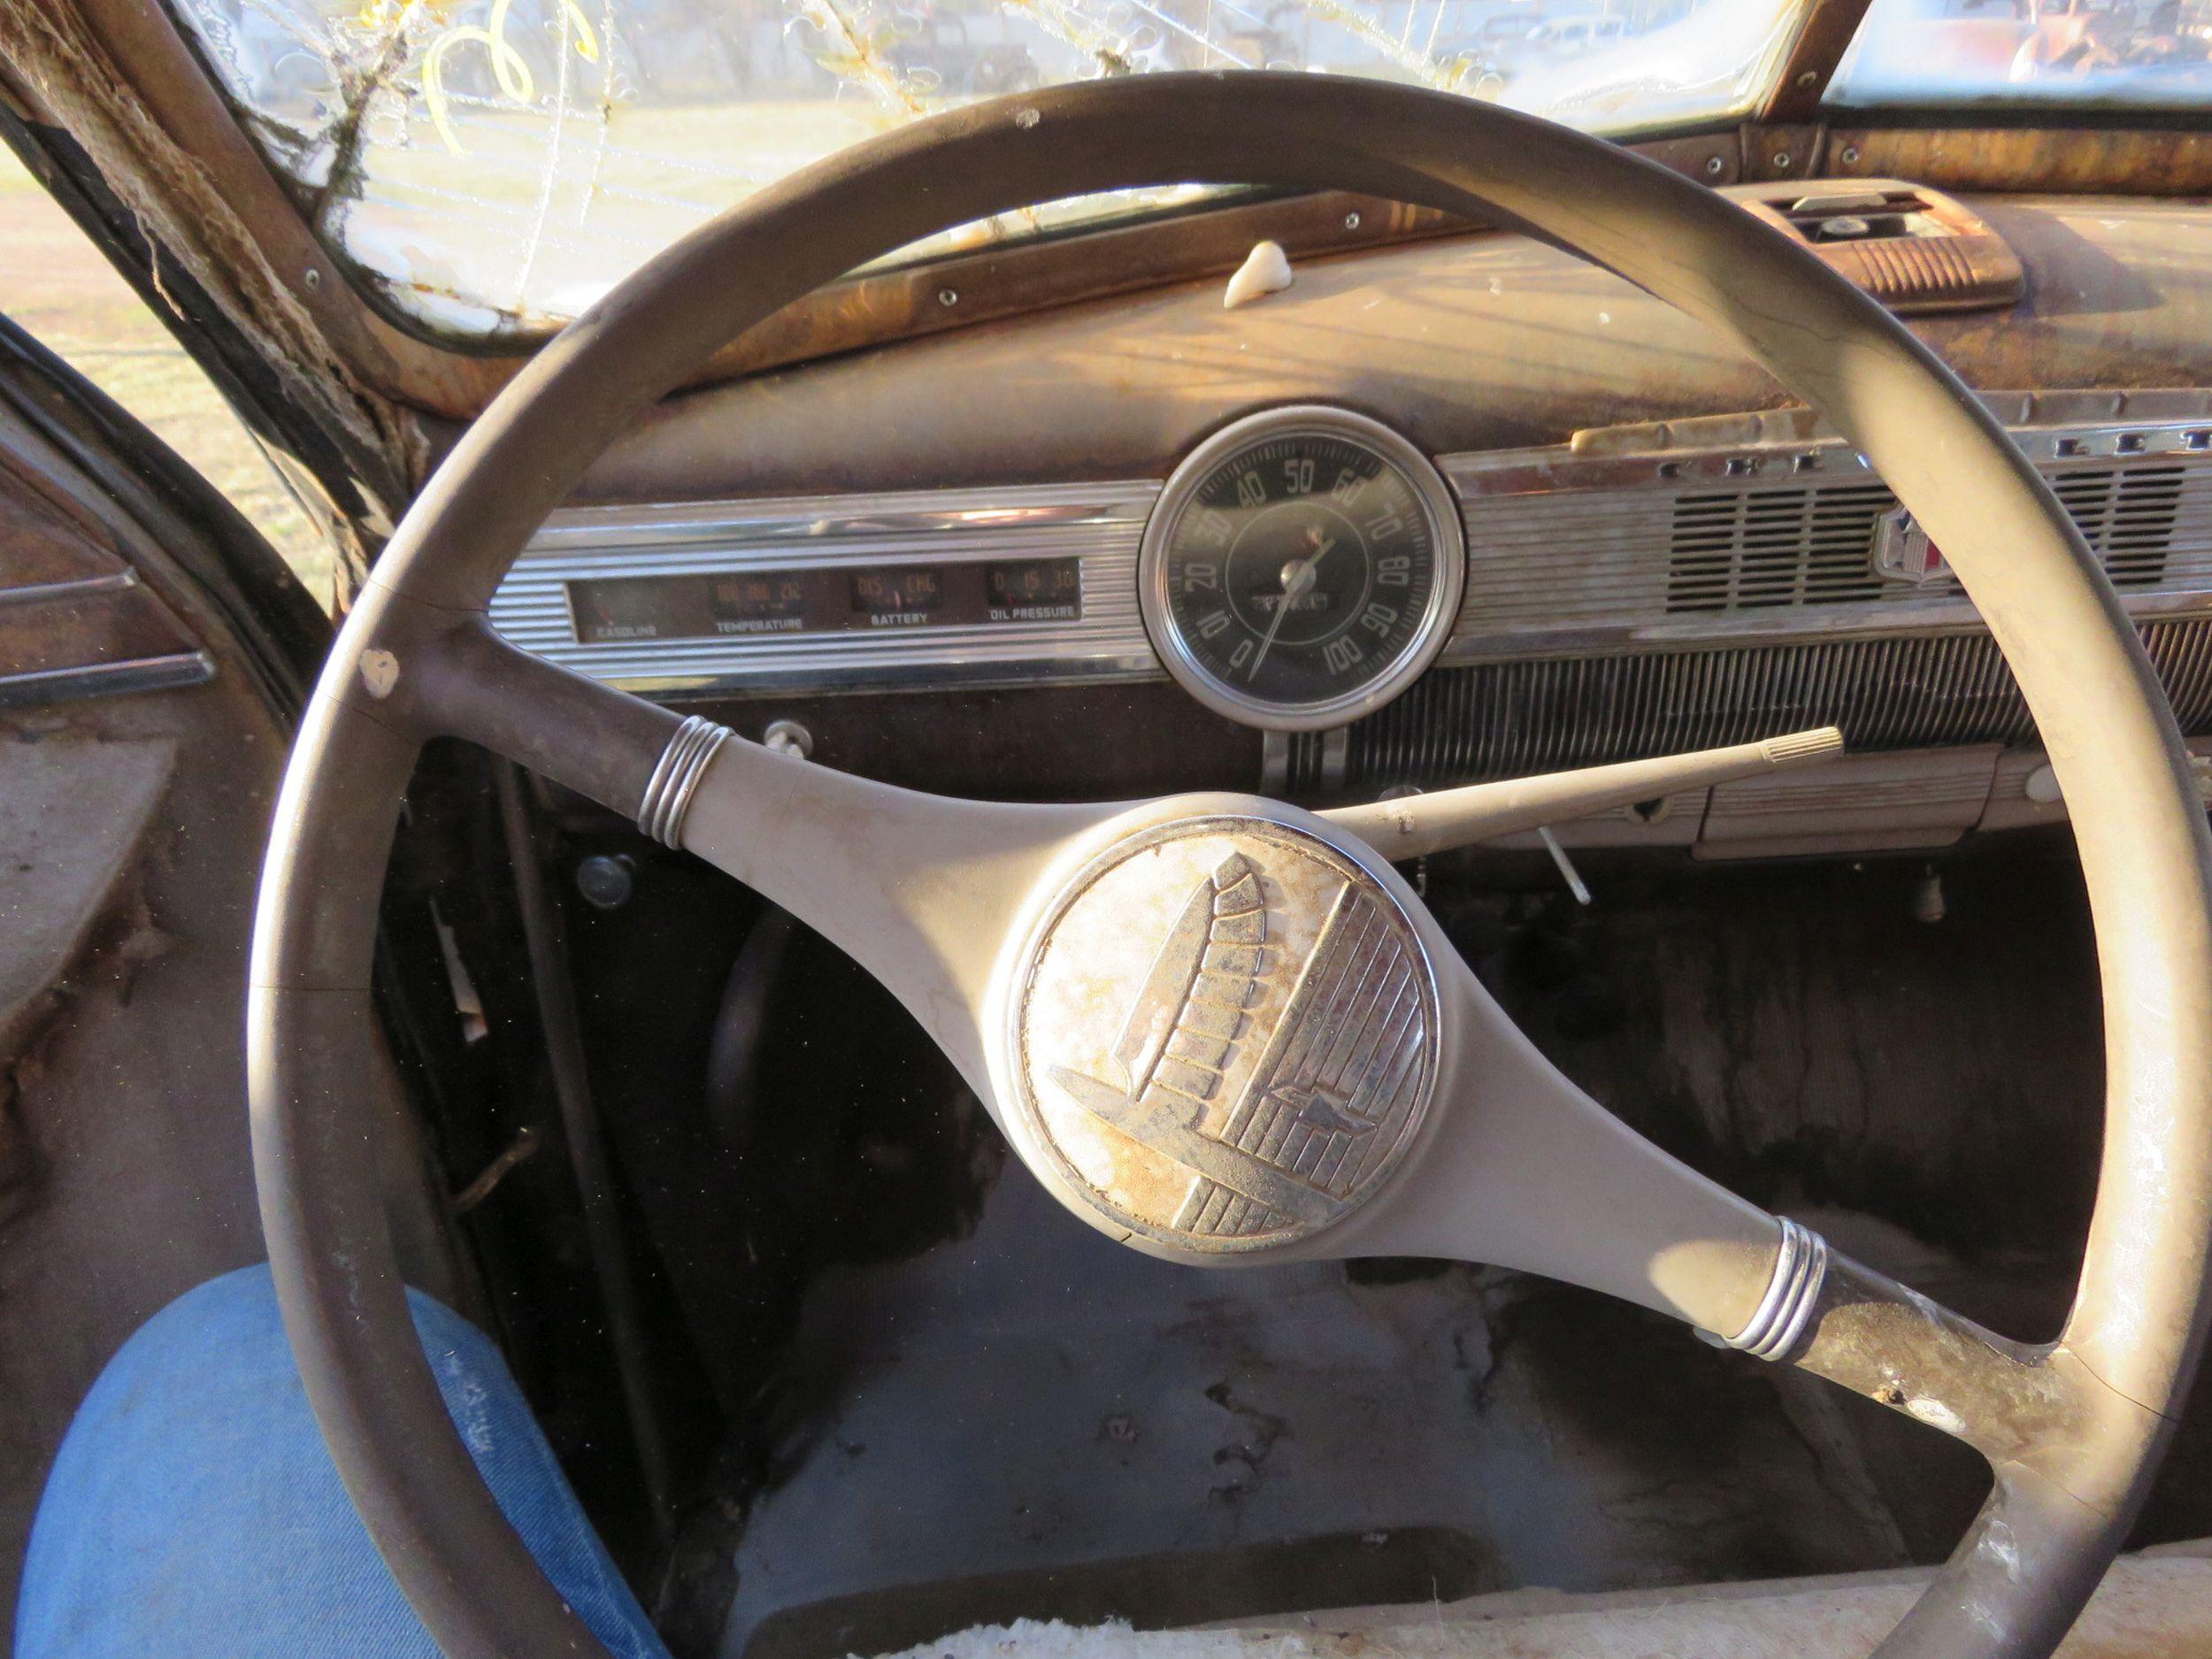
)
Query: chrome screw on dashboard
[{"x": 788, "y": 737}]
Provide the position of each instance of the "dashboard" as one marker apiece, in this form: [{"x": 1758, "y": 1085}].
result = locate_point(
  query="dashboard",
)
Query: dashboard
[{"x": 1340, "y": 552}]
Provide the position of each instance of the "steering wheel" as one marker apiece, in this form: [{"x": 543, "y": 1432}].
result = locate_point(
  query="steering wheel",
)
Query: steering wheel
[{"x": 1218, "y": 1027}]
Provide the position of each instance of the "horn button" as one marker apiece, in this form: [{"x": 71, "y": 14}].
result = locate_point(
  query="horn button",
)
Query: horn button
[{"x": 1224, "y": 1035}]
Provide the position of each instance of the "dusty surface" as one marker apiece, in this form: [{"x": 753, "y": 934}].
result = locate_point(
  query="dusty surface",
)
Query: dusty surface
[
  {"x": 1033, "y": 1420},
  {"x": 57, "y": 285},
  {"x": 2147, "y": 1607},
  {"x": 69, "y": 823}
]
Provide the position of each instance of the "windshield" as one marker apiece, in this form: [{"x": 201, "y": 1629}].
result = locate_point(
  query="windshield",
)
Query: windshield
[
  {"x": 492, "y": 166},
  {"x": 2031, "y": 53}
]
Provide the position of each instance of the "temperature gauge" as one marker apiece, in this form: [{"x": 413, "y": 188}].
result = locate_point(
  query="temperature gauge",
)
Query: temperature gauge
[{"x": 759, "y": 602}]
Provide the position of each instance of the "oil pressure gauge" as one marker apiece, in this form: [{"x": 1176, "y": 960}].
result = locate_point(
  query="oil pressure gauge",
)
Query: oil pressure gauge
[{"x": 1302, "y": 566}]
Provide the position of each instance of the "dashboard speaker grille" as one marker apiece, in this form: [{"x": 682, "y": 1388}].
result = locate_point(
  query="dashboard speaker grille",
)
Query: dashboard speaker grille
[
  {"x": 1507, "y": 720},
  {"x": 1735, "y": 551},
  {"x": 2127, "y": 514},
  {"x": 1750, "y": 550}
]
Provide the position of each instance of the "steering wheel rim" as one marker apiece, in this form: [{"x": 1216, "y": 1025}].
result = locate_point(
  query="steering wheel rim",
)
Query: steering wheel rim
[{"x": 412, "y": 662}]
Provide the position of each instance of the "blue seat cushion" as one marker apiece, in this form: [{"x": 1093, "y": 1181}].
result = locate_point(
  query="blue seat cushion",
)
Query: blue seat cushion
[{"x": 193, "y": 1511}]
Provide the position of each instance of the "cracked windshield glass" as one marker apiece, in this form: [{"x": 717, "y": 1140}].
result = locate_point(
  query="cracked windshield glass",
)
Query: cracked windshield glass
[{"x": 490, "y": 167}]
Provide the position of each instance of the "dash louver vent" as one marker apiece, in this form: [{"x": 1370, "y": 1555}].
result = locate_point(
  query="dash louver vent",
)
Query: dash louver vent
[
  {"x": 2127, "y": 515},
  {"x": 1757, "y": 549},
  {"x": 1768, "y": 547}
]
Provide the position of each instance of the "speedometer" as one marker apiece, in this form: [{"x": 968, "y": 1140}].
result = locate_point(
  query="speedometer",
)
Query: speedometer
[{"x": 1302, "y": 568}]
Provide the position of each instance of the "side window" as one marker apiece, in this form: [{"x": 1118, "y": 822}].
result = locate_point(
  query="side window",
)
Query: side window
[
  {"x": 2029, "y": 54},
  {"x": 58, "y": 286}
]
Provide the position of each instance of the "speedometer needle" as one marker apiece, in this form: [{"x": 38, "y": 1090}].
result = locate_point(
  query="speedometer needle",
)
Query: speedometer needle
[{"x": 1298, "y": 578}]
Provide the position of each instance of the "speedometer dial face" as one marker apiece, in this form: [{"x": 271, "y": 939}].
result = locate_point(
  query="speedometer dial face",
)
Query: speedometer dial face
[{"x": 1302, "y": 568}]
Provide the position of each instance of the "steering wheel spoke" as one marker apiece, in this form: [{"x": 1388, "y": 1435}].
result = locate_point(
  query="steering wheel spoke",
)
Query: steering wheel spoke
[
  {"x": 2021, "y": 1405},
  {"x": 921, "y": 889},
  {"x": 1524, "y": 1169}
]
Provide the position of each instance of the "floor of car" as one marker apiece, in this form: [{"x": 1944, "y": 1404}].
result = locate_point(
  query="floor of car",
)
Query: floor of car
[
  {"x": 1026, "y": 1419},
  {"x": 1035, "y": 1422}
]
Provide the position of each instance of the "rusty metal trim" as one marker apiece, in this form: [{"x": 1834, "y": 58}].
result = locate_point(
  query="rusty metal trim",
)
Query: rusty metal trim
[
  {"x": 1822, "y": 40},
  {"x": 2087, "y": 161},
  {"x": 106, "y": 680}
]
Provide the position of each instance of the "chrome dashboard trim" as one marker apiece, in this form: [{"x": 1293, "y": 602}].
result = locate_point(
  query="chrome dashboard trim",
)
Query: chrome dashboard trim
[
  {"x": 1098, "y": 524},
  {"x": 1571, "y": 547},
  {"x": 1568, "y": 551}
]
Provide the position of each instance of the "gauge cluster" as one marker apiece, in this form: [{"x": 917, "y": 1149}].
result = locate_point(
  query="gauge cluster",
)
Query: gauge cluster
[
  {"x": 1297, "y": 570},
  {"x": 801, "y": 599}
]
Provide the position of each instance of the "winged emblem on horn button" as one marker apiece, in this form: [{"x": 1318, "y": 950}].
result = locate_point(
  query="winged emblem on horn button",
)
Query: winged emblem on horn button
[{"x": 1280, "y": 1137}]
